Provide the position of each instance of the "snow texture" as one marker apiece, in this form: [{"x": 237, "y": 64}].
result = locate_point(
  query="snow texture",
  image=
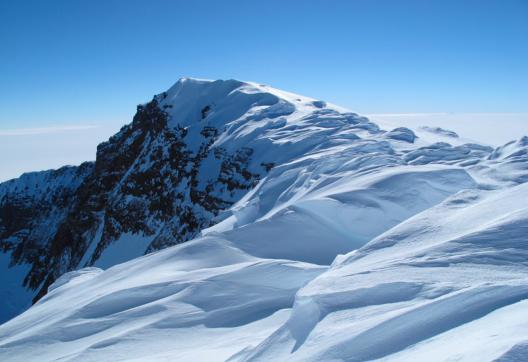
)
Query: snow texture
[{"x": 358, "y": 244}]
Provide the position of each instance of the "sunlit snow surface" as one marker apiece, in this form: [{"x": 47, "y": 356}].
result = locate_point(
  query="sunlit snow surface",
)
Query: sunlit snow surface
[{"x": 360, "y": 244}]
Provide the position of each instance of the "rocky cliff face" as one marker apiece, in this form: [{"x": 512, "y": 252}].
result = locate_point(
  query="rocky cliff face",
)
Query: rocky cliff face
[{"x": 150, "y": 179}]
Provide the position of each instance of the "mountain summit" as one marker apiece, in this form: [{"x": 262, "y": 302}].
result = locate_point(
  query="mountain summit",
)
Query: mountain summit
[
  {"x": 307, "y": 232},
  {"x": 188, "y": 154}
]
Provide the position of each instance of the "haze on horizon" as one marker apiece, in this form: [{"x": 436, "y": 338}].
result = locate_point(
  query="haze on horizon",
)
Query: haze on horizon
[{"x": 73, "y": 72}]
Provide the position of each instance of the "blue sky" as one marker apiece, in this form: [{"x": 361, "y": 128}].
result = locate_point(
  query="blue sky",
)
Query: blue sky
[{"x": 88, "y": 63}]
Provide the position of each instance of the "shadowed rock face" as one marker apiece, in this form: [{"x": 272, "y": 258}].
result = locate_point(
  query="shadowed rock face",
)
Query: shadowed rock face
[{"x": 147, "y": 179}]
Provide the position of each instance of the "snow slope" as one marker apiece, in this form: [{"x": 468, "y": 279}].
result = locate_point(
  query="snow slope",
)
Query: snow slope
[
  {"x": 356, "y": 244},
  {"x": 432, "y": 288}
]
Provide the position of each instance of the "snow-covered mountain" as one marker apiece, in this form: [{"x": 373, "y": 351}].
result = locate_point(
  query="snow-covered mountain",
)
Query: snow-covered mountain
[{"x": 316, "y": 236}]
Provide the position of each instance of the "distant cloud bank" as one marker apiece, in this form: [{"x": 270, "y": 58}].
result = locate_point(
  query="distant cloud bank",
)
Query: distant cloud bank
[
  {"x": 44, "y": 130},
  {"x": 490, "y": 128}
]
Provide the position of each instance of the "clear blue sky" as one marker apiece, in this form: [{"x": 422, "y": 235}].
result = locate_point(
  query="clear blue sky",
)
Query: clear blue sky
[{"x": 79, "y": 62}]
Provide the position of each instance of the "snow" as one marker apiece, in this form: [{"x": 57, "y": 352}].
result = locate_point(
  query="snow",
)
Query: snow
[
  {"x": 360, "y": 244},
  {"x": 443, "y": 273},
  {"x": 318, "y": 215},
  {"x": 73, "y": 278},
  {"x": 205, "y": 288},
  {"x": 125, "y": 248},
  {"x": 402, "y": 134},
  {"x": 493, "y": 129}
]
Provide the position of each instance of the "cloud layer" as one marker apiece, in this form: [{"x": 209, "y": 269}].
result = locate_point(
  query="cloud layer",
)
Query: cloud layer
[{"x": 44, "y": 130}]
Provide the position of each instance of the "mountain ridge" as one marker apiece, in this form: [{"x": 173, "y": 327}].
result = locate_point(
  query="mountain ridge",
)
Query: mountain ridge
[
  {"x": 301, "y": 220},
  {"x": 185, "y": 154}
]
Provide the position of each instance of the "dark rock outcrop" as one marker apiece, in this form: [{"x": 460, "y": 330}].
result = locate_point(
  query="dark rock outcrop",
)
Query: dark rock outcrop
[{"x": 147, "y": 179}]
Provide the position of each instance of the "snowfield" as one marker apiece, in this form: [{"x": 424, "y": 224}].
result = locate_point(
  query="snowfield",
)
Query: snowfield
[{"x": 359, "y": 244}]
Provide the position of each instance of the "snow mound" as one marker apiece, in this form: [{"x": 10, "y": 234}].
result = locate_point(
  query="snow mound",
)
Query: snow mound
[
  {"x": 467, "y": 154},
  {"x": 440, "y": 131},
  {"x": 509, "y": 163},
  {"x": 402, "y": 134},
  {"x": 205, "y": 288}
]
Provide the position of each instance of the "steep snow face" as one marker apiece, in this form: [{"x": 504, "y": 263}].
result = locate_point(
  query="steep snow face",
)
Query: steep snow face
[{"x": 318, "y": 236}]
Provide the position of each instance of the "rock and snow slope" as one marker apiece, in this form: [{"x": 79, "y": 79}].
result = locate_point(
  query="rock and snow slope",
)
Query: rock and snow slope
[
  {"x": 188, "y": 154},
  {"x": 334, "y": 240}
]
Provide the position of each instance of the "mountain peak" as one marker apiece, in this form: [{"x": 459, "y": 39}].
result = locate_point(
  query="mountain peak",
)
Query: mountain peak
[
  {"x": 271, "y": 187},
  {"x": 191, "y": 99},
  {"x": 187, "y": 156}
]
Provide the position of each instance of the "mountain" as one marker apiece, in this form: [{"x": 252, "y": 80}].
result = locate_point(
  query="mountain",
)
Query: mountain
[
  {"x": 312, "y": 234},
  {"x": 188, "y": 154}
]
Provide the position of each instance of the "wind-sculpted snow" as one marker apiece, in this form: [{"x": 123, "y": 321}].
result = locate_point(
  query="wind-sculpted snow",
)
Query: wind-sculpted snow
[
  {"x": 344, "y": 204},
  {"x": 205, "y": 289},
  {"x": 420, "y": 290},
  {"x": 317, "y": 236},
  {"x": 467, "y": 154},
  {"x": 509, "y": 163},
  {"x": 453, "y": 271},
  {"x": 402, "y": 134},
  {"x": 440, "y": 131}
]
